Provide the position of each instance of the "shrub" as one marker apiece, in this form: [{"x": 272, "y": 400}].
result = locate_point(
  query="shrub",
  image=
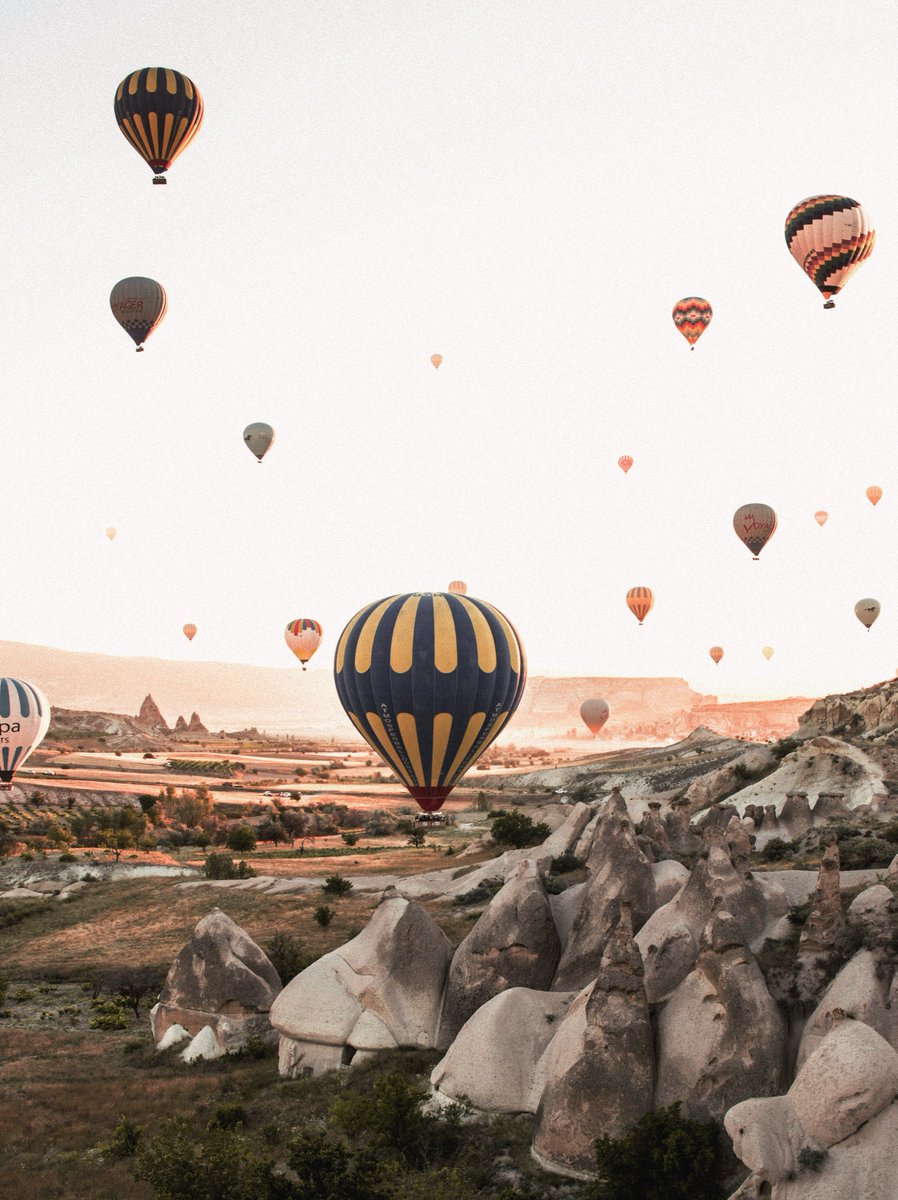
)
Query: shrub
[
  {"x": 350, "y": 838},
  {"x": 323, "y": 915},
  {"x": 777, "y": 849},
  {"x": 222, "y": 866},
  {"x": 287, "y": 956},
  {"x": 518, "y": 830},
  {"x": 566, "y": 862},
  {"x": 125, "y": 1140},
  {"x": 858, "y": 853},
  {"x": 67, "y": 857},
  {"x": 663, "y": 1157},
  {"x": 4, "y": 987},
  {"x": 182, "y": 1164},
  {"x": 241, "y": 839},
  {"x": 336, "y": 885},
  {"x": 811, "y": 1160},
  {"x": 108, "y": 1015},
  {"x": 481, "y": 894}
]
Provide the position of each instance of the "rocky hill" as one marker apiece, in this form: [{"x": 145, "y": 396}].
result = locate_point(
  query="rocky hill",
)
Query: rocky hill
[
  {"x": 871, "y": 712},
  {"x": 147, "y": 731}
]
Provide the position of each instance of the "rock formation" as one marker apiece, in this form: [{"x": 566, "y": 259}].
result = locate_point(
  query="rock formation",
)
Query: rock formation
[
  {"x": 381, "y": 990},
  {"x": 599, "y": 1067},
  {"x": 834, "y": 1135},
  {"x": 180, "y": 725},
  {"x": 514, "y": 944},
  {"x": 856, "y": 992},
  {"x": 721, "y": 1037},
  {"x": 872, "y": 710},
  {"x": 497, "y": 1059},
  {"x": 823, "y": 927},
  {"x": 150, "y": 718},
  {"x": 619, "y": 872},
  {"x": 222, "y": 979},
  {"x": 196, "y": 725}
]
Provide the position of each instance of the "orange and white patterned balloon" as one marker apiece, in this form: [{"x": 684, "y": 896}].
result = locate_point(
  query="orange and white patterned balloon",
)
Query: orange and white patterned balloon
[{"x": 303, "y": 636}]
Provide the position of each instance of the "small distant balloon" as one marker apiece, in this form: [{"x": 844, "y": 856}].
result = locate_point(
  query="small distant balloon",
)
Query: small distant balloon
[
  {"x": 866, "y": 611},
  {"x": 458, "y": 587},
  {"x": 874, "y": 494},
  {"x": 110, "y": 533},
  {"x": 303, "y": 636},
  {"x": 625, "y": 462},
  {"x": 189, "y": 632},
  {"x": 138, "y": 304},
  {"x": 24, "y": 718},
  {"x": 755, "y": 525},
  {"x": 829, "y": 237},
  {"x": 716, "y": 653},
  {"x": 692, "y": 317},
  {"x": 640, "y": 602},
  {"x": 767, "y": 652},
  {"x": 821, "y": 517},
  {"x": 159, "y": 111},
  {"x": 436, "y": 359},
  {"x": 259, "y": 436},
  {"x": 594, "y": 714}
]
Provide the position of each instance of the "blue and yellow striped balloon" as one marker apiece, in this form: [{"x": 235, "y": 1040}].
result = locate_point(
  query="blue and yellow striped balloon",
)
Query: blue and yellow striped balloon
[
  {"x": 429, "y": 679},
  {"x": 24, "y": 719}
]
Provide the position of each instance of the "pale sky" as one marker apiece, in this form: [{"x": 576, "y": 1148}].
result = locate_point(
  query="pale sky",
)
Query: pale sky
[{"x": 525, "y": 188}]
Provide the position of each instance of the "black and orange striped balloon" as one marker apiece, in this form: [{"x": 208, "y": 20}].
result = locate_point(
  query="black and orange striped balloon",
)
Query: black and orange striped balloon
[
  {"x": 429, "y": 679},
  {"x": 640, "y": 602},
  {"x": 160, "y": 112},
  {"x": 829, "y": 237}
]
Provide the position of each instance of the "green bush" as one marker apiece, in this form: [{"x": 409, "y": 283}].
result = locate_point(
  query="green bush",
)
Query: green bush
[
  {"x": 858, "y": 853},
  {"x": 4, "y": 988},
  {"x": 664, "y": 1157},
  {"x": 350, "y": 838},
  {"x": 241, "y": 839},
  {"x": 182, "y": 1164},
  {"x": 108, "y": 1015},
  {"x": 126, "y": 1139},
  {"x": 67, "y": 857},
  {"x": 518, "y": 830},
  {"x": 323, "y": 915},
  {"x": 336, "y": 885},
  {"x": 222, "y": 866},
  {"x": 566, "y": 862},
  {"x": 287, "y": 956},
  {"x": 777, "y": 850}
]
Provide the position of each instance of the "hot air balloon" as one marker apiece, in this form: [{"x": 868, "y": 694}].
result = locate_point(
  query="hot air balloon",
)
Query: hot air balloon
[
  {"x": 189, "y": 632},
  {"x": 716, "y": 653},
  {"x": 625, "y": 462},
  {"x": 692, "y": 317},
  {"x": 821, "y": 517},
  {"x": 594, "y": 713},
  {"x": 429, "y": 680},
  {"x": 160, "y": 112},
  {"x": 866, "y": 611},
  {"x": 303, "y": 636},
  {"x": 436, "y": 359},
  {"x": 829, "y": 237},
  {"x": 755, "y": 525},
  {"x": 640, "y": 602},
  {"x": 767, "y": 652},
  {"x": 458, "y": 588},
  {"x": 874, "y": 495},
  {"x": 110, "y": 533},
  {"x": 259, "y": 437},
  {"x": 24, "y": 717},
  {"x": 138, "y": 304}
]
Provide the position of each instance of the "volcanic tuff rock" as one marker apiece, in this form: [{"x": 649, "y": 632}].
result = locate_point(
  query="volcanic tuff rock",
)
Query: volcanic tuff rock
[
  {"x": 842, "y": 1102},
  {"x": 514, "y": 944},
  {"x": 824, "y": 925},
  {"x": 735, "y": 1046},
  {"x": 599, "y": 1067},
  {"x": 150, "y": 718},
  {"x": 196, "y": 725},
  {"x": 497, "y": 1059},
  {"x": 222, "y": 979},
  {"x": 856, "y": 992},
  {"x": 180, "y": 725},
  {"x": 872, "y": 710},
  {"x": 619, "y": 871},
  {"x": 379, "y": 991}
]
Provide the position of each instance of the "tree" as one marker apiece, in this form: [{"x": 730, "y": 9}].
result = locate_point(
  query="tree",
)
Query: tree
[
  {"x": 336, "y": 885},
  {"x": 663, "y": 1157},
  {"x": 241, "y": 839},
  {"x": 118, "y": 840},
  {"x": 518, "y": 830}
]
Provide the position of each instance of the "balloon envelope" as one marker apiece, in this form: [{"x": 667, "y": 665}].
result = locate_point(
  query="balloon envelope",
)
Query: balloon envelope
[
  {"x": 625, "y": 462},
  {"x": 866, "y": 611},
  {"x": 303, "y": 636},
  {"x": 159, "y": 111},
  {"x": 829, "y": 237},
  {"x": 138, "y": 304},
  {"x": 594, "y": 713},
  {"x": 429, "y": 679},
  {"x": 110, "y": 533},
  {"x": 716, "y": 653},
  {"x": 767, "y": 652},
  {"x": 874, "y": 495},
  {"x": 259, "y": 436},
  {"x": 458, "y": 587},
  {"x": 24, "y": 717},
  {"x": 821, "y": 517},
  {"x": 189, "y": 632},
  {"x": 692, "y": 316},
  {"x": 755, "y": 525},
  {"x": 436, "y": 359},
  {"x": 640, "y": 602}
]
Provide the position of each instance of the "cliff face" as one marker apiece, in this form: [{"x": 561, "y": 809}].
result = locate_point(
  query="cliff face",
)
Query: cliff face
[
  {"x": 150, "y": 718},
  {"x": 872, "y": 710}
]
